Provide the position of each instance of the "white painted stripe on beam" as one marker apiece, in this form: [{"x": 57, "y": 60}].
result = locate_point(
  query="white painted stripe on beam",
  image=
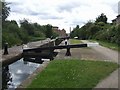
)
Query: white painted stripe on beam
[
  {"x": 25, "y": 46},
  {"x": 92, "y": 44}
]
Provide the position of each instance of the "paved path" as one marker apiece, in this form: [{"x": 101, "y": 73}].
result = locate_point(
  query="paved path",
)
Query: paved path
[
  {"x": 96, "y": 53},
  {"x": 111, "y": 55},
  {"x": 110, "y": 82},
  {"x": 91, "y": 53}
]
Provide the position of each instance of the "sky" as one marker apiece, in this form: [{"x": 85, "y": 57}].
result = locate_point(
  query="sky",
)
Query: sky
[{"x": 62, "y": 13}]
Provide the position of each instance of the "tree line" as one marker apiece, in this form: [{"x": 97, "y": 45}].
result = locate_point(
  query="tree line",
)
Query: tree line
[
  {"x": 15, "y": 34},
  {"x": 100, "y": 29}
]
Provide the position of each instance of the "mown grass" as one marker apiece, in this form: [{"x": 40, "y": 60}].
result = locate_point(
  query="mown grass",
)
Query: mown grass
[
  {"x": 108, "y": 44},
  {"x": 36, "y": 38},
  {"x": 73, "y": 74},
  {"x": 75, "y": 41}
]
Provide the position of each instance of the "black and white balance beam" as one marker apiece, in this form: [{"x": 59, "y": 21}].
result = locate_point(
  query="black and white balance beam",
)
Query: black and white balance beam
[{"x": 61, "y": 47}]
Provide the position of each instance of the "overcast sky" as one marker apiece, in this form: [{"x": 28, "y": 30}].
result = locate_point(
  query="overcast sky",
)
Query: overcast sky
[{"x": 62, "y": 13}]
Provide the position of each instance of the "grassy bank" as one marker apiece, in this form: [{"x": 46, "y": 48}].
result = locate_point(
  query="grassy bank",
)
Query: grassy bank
[
  {"x": 108, "y": 45},
  {"x": 37, "y": 38},
  {"x": 72, "y": 74},
  {"x": 75, "y": 41}
]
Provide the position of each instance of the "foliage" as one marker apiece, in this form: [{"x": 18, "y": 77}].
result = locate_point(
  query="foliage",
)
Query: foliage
[
  {"x": 75, "y": 41},
  {"x": 26, "y": 32},
  {"x": 99, "y": 30},
  {"x": 113, "y": 46},
  {"x": 75, "y": 31},
  {"x": 72, "y": 74},
  {"x": 101, "y": 18},
  {"x": 48, "y": 31},
  {"x": 5, "y": 11},
  {"x": 110, "y": 35},
  {"x": 11, "y": 33},
  {"x": 15, "y": 35},
  {"x": 54, "y": 35},
  {"x": 27, "y": 27}
]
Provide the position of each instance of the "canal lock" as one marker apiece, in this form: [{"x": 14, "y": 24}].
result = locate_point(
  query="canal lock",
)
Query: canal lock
[{"x": 14, "y": 74}]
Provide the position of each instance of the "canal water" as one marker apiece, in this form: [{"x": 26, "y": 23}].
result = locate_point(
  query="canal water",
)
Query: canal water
[{"x": 18, "y": 72}]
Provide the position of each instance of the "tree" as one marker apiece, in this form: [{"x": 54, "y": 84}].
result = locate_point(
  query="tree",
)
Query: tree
[
  {"x": 5, "y": 11},
  {"x": 93, "y": 30},
  {"x": 28, "y": 27},
  {"x": 77, "y": 27},
  {"x": 11, "y": 33},
  {"x": 48, "y": 31},
  {"x": 101, "y": 18},
  {"x": 74, "y": 33},
  {"x": 54, "y": 35}
]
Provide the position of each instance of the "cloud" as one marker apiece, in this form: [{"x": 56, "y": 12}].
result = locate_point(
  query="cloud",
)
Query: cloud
[
  {"x": 77, "y": 23},
  {"x": 62, "y": 13},
  {"x": 37, "y": 13},
  {"x": 70, "y": 6},
  {"x": 50, "y": 17},
  {"x": 67, "y": 7}
]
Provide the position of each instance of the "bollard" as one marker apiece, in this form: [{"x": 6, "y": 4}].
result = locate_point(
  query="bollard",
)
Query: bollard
[
  {"x": 54, "y": 43},
  {"x": 66, "y": 42},
  {"x": 68, "y": 53},
  {"x": 51, "y": 54},
  {"x": 6, "y": 49}
]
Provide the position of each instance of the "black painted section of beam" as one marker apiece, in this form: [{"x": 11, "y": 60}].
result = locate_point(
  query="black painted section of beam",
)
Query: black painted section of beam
[
  {"x": 13, "y": 58},
  {"x": 34, "y": 55},
  {"x": 36, "y": 60},
  {"x": 56, "y": 47},
  {"x": 68, "y": 53}
]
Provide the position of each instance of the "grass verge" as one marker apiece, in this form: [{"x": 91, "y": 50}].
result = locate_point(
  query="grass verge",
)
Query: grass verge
[
  {"x": 75, "y": 41},
  {"x": 108, "y": 45},
  {"x": 73, "y": 74},
  {"x": 37, "y": 38}
]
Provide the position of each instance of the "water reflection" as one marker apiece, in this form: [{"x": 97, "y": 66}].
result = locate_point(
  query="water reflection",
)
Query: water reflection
[{"x": 15, "y": 73}]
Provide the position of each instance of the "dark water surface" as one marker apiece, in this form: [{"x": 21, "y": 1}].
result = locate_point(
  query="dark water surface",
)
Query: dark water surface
[{"x": 19, "y": 71}]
